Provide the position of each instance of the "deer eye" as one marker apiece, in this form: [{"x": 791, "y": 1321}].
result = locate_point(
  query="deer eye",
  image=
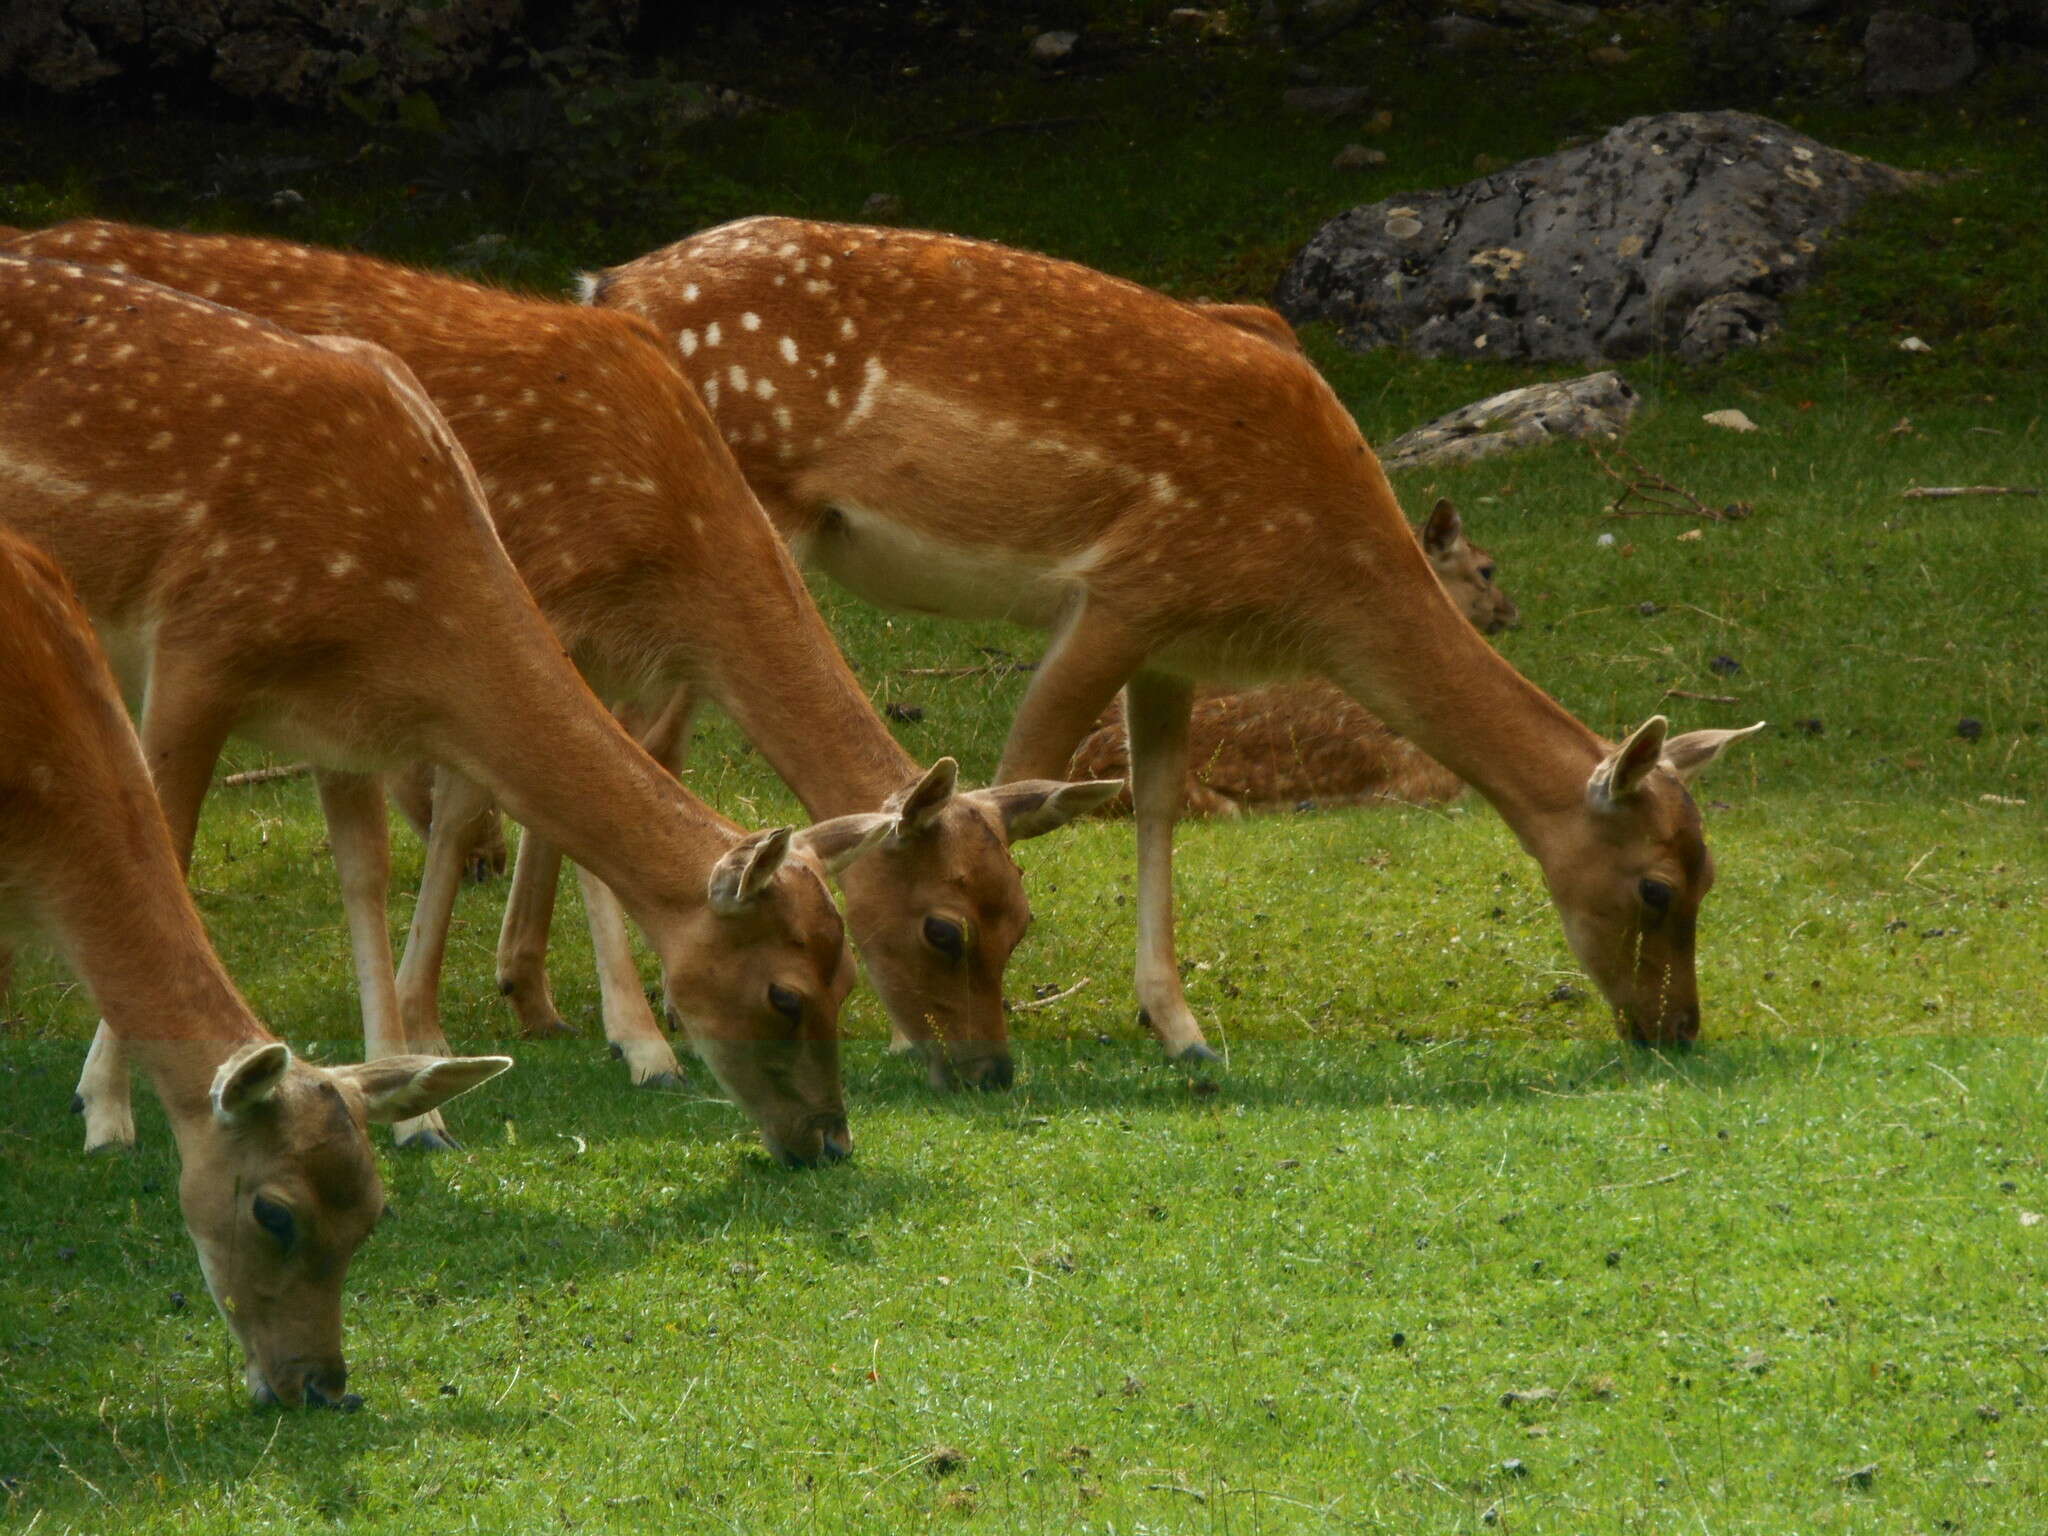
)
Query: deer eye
[
  {"x": 275, "y": 1219},
  {"x": 786, "y": 1003},
  {"x": 1486, "y": 573},
  {"x": 1656, "y": 895},
  {"x": 946, "y": 936}
]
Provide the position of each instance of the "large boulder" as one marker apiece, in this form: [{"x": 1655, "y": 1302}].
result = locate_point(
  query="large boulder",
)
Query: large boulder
[
  {"x": 1675, "y": 232},
  {"x": 1906, "y": 53},
  {"x": 1598, "y": 406}
]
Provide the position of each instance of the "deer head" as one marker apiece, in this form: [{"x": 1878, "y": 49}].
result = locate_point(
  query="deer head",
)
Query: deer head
[
  {"x": 279, "y": 1189},
  {"x": 1467, "y": 572},
  {"x": 1630, "y": 874},
  {"x": 936, "y": 916}
]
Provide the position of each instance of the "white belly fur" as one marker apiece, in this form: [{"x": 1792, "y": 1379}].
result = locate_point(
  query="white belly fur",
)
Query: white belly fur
[{"x": 897, "y": 567}]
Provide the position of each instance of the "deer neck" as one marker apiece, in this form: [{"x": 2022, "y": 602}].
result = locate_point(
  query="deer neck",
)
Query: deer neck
[{"x": 1425, "y": 671}]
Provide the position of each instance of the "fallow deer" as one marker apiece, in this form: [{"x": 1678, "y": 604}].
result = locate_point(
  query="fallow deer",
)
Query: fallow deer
[
  {"x": 1290, "y": 744},
  {"x": 954, "y": 427},
  {"x": 278, "y": 537},
  {"x": 277, "y": 1180},
  {"x": 639, "y": 539}
]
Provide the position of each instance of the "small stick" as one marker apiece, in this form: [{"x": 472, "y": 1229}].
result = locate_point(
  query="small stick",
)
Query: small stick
[
  {"x": 1709, "y": 698},
  {"x": 1049, "y": 999},
  {"x": 265, "y": 775},
  {"x": 1665, "y": 499},
  {"x": 1934, "y": 492},
  {"x": 980, "y": 669}
]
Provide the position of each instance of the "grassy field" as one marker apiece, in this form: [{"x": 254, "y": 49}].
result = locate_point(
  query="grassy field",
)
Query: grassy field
[{"x": 1431, "y": 1253}]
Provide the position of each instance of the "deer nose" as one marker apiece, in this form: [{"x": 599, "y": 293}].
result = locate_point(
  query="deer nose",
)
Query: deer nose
[
  {"x": 835, "y": 1142},
  {"x": 324, "y": 1389},
  {"x": 991, "y": 1074}
]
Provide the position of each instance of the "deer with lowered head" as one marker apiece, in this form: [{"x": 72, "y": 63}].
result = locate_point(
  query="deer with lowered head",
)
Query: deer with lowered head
[
  {"x": 277, "y": 1181},
  {"x": 1292, "y": 744},
  {"x": 278, "y": 537},
  {"x": 647, "y": 553},
  {"x": 954, "y": 427}
]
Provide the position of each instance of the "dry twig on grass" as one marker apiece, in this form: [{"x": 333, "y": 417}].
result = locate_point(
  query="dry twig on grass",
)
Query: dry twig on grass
[
  {"x": 1660, "y": 497},
  {"x": 1941, "y": 492},
  {"x": 1705, "y": 698},
  {"x": 266, "y": 775},
  {"x": 1048, "y": 1000}
]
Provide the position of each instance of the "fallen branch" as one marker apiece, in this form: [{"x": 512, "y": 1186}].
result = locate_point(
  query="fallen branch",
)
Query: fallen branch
[
  {"x": 1706, "y": 698},
  {"x": 1666, "y": 1178},
  {"x": 980, "y": 669},
  {"x": 266, "y": 775},
  {"x": 1049, "y": 999},
  {"x": 1660, "y": 496},
  {"x": 1937, "y": 492}
]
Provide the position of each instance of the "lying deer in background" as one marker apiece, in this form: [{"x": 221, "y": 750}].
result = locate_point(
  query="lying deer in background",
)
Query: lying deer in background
[
  {"x": 277, "y": 1180},
  {"x": 954, "y": 427},
  {"x": 278, "y": 537},
  {"x": 651, "y": 559},
  {"x": 1292, "y": 744}
]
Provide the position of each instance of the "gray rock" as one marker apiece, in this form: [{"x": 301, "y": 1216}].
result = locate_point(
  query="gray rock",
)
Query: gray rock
[
  {"x": 1600, "y": 405},
  {"x": 1356, "y": 157},
  {"x": 1680, "y": 231},
  {"x": 1458, "y": 32},
  {"x": 1795, "y": 10},
  {"x": 1553, "y": 13},
  {"x": 1908, "y": 54},
  {"x": 1051, "y": 47},
  {"x": 1331, "y": 101}
]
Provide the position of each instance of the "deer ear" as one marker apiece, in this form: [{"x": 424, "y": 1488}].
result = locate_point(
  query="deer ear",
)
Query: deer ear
[
  {"x": 1686, "y": 755},
  {"x": 919, "y": 807},
  {"x": 838, "y": 842},
  {"x": 747, "y": 870},
  {"x": 1621, "y": 773},
  {"x": 1442, "y": 529},
  {"x": 399, "y": 1087},
  {"x": 1034, "y": 807},
  {"x": 248, "y": 1078}
]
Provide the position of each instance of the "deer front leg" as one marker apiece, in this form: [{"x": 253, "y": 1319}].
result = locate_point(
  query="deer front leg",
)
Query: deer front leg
[
  {"x": 629, "y": 1023},
  {"x": 530, "y": 910},
  {"x": 184, "y": 725},
  {"x": 459, "y": 803},
  {"x": 353, "y": 804},
  {"x": 1156, "y": 713}
]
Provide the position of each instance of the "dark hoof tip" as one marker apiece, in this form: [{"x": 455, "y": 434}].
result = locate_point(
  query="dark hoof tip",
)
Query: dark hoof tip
[
  {"x": 348, "y": 1402},
  {"x": 507, "y": 986},
  {"x": 663, "y": 1082},
  {"x": 618, "y": 1052},
  {"x": 78, "y": 1103},
  {"x": 430, "y": 1141},
  {"x": 1197, "y": 1054},
  {"x": 553, "y": 1029}
]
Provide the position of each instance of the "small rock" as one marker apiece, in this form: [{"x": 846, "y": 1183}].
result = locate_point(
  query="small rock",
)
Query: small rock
[
  {"x": 1188, "y": 18},
  {"x": 1906, "y": 53},
  {"x": 943, "y": 1461},
  {"x": 177, "y": 1301},
  {"x": 1609, "y": 55},
  {"x": 1810, "y": 726},
  {"x": 1513, "y": 1467},
  {"x": 1754, "y": 1361},
  {"x": 1327, "y": 101},
  {"x": 1914, "y": 344},
  {"x": 1649, "y": 610},
  {"x": 1858, "y": 1477},
  {"x": 1525, "y": 1396},
  {"x": 1724, "y": 666},
  {"x": 1691, "y": 536},
  {"x": 1565, "y": 992},
  {"x": 1733, "y": 420},
  {"x": 1356, "y": 157},
  {"x": 1988, "y": 1414},
  {"x": 2030, "y": 1218},
  {"x": 1398, "y": 1340},
  {"x": 1556, "y": 13},
  {"x": 1970, "y": 728},
  {"x": 1605, "y": 541},
  {"x": 1381, "y": 121},
  {"x": 882, "y": 205},
  {"x": 1051, "y": 47}
]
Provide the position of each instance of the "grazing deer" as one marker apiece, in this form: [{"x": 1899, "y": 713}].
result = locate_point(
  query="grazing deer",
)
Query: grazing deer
[
  {"x": 652, "y": 560},
  {"x": 1291, "y": 744},
  {"x": 278, "y": 1183},
  {"x": 278, "y": 537},
  {"x": 958, "y": 428}
]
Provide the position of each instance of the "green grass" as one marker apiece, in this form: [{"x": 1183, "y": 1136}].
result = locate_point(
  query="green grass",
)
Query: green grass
[{"x": 1125, "y": 1304}]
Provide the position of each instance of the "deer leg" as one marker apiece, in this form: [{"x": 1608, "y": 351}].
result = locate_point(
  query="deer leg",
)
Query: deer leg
[
  {"x": 523, "y": 942},
  {"x": 184, "y": 725},
  {"x": 1091, "y": 657},
  {"x": 353, "y": 804},
  {"x": 1156, "y": 710},
  {"x": 458, "y": 804}
]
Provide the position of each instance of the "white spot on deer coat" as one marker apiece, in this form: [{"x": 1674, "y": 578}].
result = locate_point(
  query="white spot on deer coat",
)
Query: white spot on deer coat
[
  {"x": 687, "y": 340},
  {"x": 738, "y": 376},
  {"x": 788, "y": 348},
  {"x": 750, "y": 321}
]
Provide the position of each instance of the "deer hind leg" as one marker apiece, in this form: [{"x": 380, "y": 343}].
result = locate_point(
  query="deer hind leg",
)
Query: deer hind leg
[
  {"x": 185, "y": 723},
  {"x": 523, "y": 939},
  {"x": 1156, "y": 709},
  {"x": 459, "y": 805}
]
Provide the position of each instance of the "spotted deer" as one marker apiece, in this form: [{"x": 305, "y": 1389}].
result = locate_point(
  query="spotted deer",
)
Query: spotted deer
[
  {"x": 1290, "y": 744},
  {"x": 277, "y": 537},
  {"x": 277, "y": 1181},
  {"x": 957, "y": 428},
  {"x": 654, "y": 563}
]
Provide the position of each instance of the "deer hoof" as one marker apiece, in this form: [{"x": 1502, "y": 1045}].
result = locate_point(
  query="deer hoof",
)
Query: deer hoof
[
  {"x": 662, "y": 1082},
  {"x": 1197, "y": 1054},
  {"x": 547, "y": 1029}
]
